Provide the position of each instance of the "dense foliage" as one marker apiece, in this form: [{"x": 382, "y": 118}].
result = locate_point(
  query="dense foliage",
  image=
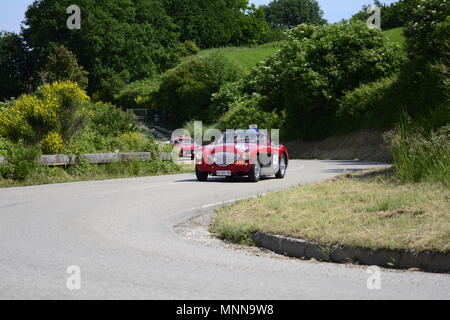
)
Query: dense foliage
[
  {"x": 15, "y": 65},
  {"x": 421, "y": 89},
  {"x": 291, "y": 13},
  {"x": 62, "y": 65},
  {"x": 185, "y": 93},
  {"x": 119, "y": 41},
  {"x": 50, "y": 114},
  {"x": 217, "y": 23},
  {"x": 393, "y": 15},
  {"x": 427, "y": 30},
  {"x": 315, "y": 69},
  {"x": 139, "y": 94}
]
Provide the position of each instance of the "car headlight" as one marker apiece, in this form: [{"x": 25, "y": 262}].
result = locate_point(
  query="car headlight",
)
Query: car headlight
[
  {"x": 199, "y": 155},
  {"x": 212, "y": 158},
  {"x": 245, "y": 156}
]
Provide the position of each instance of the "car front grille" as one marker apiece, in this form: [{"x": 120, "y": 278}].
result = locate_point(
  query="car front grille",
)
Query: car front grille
[{"x": 225, "y": 158}]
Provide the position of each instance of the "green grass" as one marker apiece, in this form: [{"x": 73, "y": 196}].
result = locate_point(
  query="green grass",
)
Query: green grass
[
  {"x": 396, "y": 35},
  {"x": 245, "y": 58},
  {"x": 373, "y": 211},
  {"x": 50, "y": 175},
  {"x": 420, "y": 156}
]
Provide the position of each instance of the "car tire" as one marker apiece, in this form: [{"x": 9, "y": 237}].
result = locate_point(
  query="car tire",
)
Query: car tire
[
  {"x": 201, "y": 176},
  {"x": 283, "y": 165},
  {"x": 255, "y": 172}
]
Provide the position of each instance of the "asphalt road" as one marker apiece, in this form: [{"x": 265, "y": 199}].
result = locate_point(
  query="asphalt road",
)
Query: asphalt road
[{"x": 120, "y": 233}]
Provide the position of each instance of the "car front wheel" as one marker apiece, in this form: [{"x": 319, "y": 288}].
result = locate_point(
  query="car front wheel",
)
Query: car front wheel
[
  {"x": 255, "y": 172},
  {"x": 283, "y": 165},
  {"x": 201, "y": 176}
]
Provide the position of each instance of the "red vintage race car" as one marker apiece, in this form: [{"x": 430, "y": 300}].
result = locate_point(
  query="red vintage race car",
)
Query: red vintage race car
[
  {"x": 185, "y": 145},
  {"x": 242, "y": 153}
]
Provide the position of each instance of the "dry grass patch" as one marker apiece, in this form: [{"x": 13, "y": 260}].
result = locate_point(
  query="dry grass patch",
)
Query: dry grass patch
[{"x": 359, "y": 210}]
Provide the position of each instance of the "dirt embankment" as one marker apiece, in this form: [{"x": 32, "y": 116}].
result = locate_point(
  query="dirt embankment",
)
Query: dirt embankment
[{"x": 366, "y": 145}]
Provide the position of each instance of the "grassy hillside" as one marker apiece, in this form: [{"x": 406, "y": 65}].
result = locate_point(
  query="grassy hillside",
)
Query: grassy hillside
[
  {"x": 245, "y": 58},
  {"x": 396, "y": 35}
]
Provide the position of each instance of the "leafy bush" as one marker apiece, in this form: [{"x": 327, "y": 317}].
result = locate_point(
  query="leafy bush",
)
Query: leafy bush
[
  {"x": 425, "y": 19},
  {"x": 62, "y": 65},
  {"x": 22, "y": 162},
  {"x": 135, "y": 141},
  {"x": 422, "y": 88},
  {"x": 140, "y": 94},
  {"x": 228, "y": 95},
  {"x": 189, "y": 48},
  {"x": 372, "y": 105},
  {"x": 418, "y": 155},
  {"x": 52, "y": 143},
  {"x": 185, "y": 92},
  {"x": 248, "y": 113},
  {"x": 109, "y": 120},
  {"x": 91, "y": 141},
  {"x": 5, "y": 145},
  {"x": 315, "y": 69}
]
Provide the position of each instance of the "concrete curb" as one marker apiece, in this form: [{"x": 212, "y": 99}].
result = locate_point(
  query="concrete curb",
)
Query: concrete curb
[{"x": 427, "y": 261}]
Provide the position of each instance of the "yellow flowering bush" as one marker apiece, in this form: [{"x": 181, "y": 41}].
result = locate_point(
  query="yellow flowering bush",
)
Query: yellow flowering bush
[
  {"x": 33, "y": 117},
  {"x": 52, "y": 143}
]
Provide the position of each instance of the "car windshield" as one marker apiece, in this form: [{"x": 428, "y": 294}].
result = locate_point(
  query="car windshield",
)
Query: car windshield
[
  {"x": 184, "y": 141},
  {"x": 244, "y": 136}
]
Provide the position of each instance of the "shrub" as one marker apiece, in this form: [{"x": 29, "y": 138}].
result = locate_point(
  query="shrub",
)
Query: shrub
[
  {"x": 314, "y": 70},
  {"x": 54, "y": 107},
  {"x": 52, "y": 143},
  {"x": 228, "y": 95},
  {"x": 418, "y": 155},
  {"x": 91, "y": 141},
  {"x": 372, "y": 105},
  {"x": 22, "y": 162},
  {"x": 5, "y": 145},
  {"x": 420, "y": 32},
  {"x": 135, "y": 142},
  {"x": 189, "y": 48},
  {"x": 109, "y": 120},
  {"x": 140, "y": 94},
  {"x": 62, "y": 65},
  {"x": 247, "y": 113}
]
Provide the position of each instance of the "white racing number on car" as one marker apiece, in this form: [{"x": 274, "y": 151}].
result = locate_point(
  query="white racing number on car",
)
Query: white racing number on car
[{"x": 276, "y": 160}]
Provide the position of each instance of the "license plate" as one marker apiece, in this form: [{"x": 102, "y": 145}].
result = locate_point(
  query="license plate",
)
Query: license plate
[{"x": 223, "y": 173}]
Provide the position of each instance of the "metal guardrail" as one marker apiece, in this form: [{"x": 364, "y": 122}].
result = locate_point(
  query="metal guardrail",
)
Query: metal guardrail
[{"x": 95, "y": 158}]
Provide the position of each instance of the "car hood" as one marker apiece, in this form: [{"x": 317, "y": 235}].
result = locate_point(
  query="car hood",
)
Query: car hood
[{"x": 230, "y": 148}]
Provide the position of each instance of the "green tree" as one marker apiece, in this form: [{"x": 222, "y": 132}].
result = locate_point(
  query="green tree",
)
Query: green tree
[
  {"x": 291, "y": 13},
  {"x": 314, "y": 70},
  {"x": 393, "y": 15},
  {"x": 186, "y": 92},
  {"x": 62, "y": 65},
  {"x": 217, "y": 23},
  {"x": 15, "y": 65},
  {"x": 421, "y": 37},
  {"x": 126, "y": 39}
]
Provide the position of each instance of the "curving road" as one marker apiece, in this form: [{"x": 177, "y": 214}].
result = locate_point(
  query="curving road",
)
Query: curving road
[{"x": 120, "y": 233}]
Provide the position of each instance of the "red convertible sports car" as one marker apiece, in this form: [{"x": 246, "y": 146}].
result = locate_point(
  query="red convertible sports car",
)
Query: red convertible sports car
[
  {"x": 242, "y": 153},
  {"x": 185, "y": 145}
]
